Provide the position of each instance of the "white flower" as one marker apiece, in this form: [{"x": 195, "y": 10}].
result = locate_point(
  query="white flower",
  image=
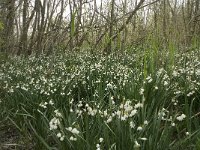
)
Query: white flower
[
  {"x": 80, "y": 105},
  {"x": 72, "y": 100},
  {"x": 133, "y": 112},
  {"x": 51, "y": 102},
  {"x": 69, "y": 129},
  {"x": 109, "y": 119},
  {"x": 141, "y": 91},
  {"x": 62, "y": 138},
  {"x": 138, "y": 105},
  {"x": 112, "y": 97},
  {"x": 137, "y": 145},
  {"x": 198, "y": 72},
  {"x": 62, "y": 93},
  {"x": 172, "y": 124},
  {"x": 109, "y": 86},
  {"x": 75, "y": 131},
  {"x": 139, "y": 128},
  {"x": 175, "y": 74},
  {"x": 100, "y": 140},
  {"x": 181, "y": 117},
  {"x": 123, "y": 118},
  {"x": 58, "y": 114},
  {"x": 98, "y": 145},
  {"x": 121, "y": 106},
  {"x": 113, "y": 102},
  {"x": 149, "y": 79},
  {"x": 145, "y": 122},
  {"x": 72, "y": 138},
  {"x": 105, "y": 113},
  {"x": 187, "y": 133},
  {"x": 54, "y": 123},
  {"x": 43, "y": 105},
  {"x": 127, "y": 106},
  {"x": 118, "y": 113},
  {"x": 177, "y": 92},
  {"x": 132, "y": 124},
  {"x": 165, "y": 83},
  {"x": 91, "y": 111},
  {"x": 143, "y": 139},
  {"x": 59, "y": 135},
  {"x": 79, "y": 112}
]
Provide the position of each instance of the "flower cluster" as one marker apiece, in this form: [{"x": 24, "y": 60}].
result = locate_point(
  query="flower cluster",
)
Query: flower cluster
[{"x": 84, "y": 96}]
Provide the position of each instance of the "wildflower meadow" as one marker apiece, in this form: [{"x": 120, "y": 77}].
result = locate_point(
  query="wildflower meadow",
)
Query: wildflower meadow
[{"x": 82, "y": 101}]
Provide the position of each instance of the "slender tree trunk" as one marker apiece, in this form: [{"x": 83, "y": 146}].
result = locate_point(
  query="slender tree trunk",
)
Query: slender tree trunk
[
  {"x": 125, "y": 30},
  {"x": 24, "y": 36},
  {"x": 72, "y": 17},
  {"x": 9, "y": 26},
  {"x": 111, "y": 27}
]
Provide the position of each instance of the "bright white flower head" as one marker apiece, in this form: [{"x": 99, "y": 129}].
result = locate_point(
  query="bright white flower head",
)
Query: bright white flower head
[
  {"x": 54, "y": 123},
  {"x": 181, "y": 117},
  {"x": 175, "y": 74},
  {"x": 118, "y": 113},
  {"x": 123, "y": 118},
  {"x": 132, "y": 124},
  {"x": 141, "y": 91},
  {"x": 43, "y": 104},
  {"x": 100, "y": 140},
  {"x": 109, "y": 119},
  {"x": 58, "y": 114},
  {"x": 145, "y": 122},
  {"x": 173, "y": 124},
  {"x": 149, "y": 79},
  {"x": 69, "y": 129},
  {"x": 59, "y": 135},
  {"x": 98, "y": 145},
  {"x": 109, "y": 86},
  {"x": 143, "y": 139},
  {"x": 105, "y": 113},
  {"x": 51, "y": 102},
  {"x": 156, "y": 88},
  {"x": 133, "y": 112},
  {"x": 165, "y": 83},
  {"x": 187, "y": 133},
  {"x": 72, "y": 138},
  {"x": 139, "y": 128},
  {"x": 138, "y": 105},
  {"x": 137, "y": 145},
  {"x": 62, "y": 138},
  {"x": 75, "y": 131}
]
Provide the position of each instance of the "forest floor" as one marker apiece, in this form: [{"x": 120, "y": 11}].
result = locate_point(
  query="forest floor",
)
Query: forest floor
[{"x": 11, "y": 139}]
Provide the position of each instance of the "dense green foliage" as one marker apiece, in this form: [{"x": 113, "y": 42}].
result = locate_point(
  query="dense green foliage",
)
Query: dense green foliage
[{"x": 83, "y": 101}]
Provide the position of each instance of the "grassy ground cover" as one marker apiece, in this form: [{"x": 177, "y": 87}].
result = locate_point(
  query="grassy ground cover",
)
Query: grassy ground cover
[{"x": 142, "y": 100}]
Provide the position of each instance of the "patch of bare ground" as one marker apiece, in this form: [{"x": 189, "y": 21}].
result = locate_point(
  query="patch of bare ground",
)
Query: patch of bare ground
[{"x": 11, "y": 139}]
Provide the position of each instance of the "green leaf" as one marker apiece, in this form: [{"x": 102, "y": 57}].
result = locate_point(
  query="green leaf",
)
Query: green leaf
[{"x": 40, "y": 138}]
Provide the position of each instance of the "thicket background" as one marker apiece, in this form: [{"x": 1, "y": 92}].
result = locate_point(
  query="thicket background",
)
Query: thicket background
[{"x": 46, "y": 26}]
